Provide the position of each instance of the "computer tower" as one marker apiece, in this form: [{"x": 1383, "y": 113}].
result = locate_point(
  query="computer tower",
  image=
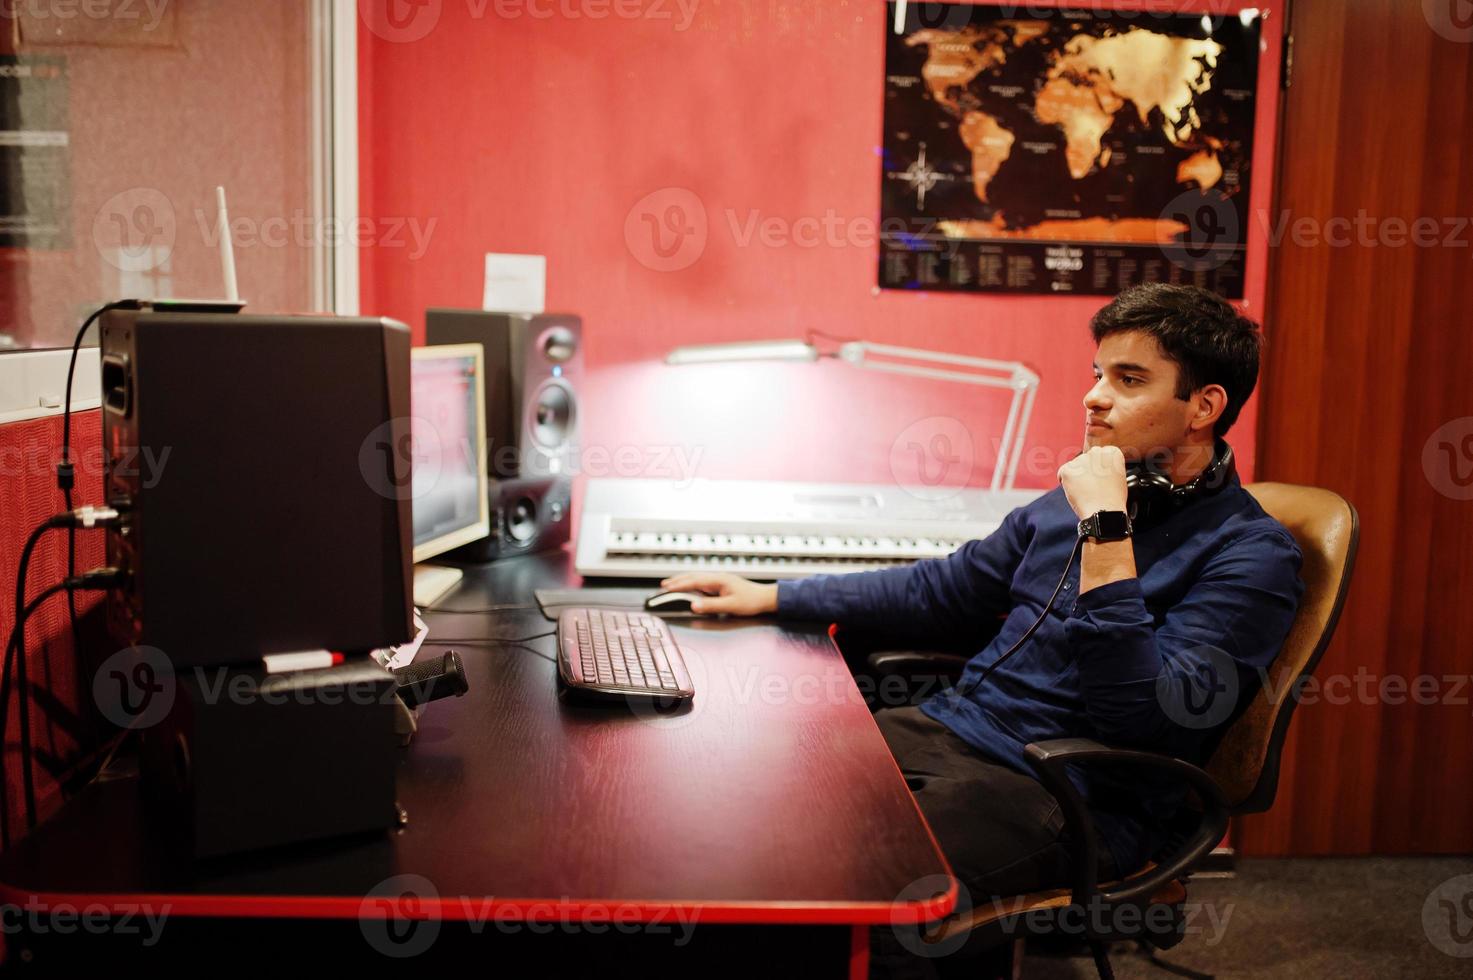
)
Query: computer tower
[
  {"x": 262, "y": 466},
  {"x": 533, "y": 367}
]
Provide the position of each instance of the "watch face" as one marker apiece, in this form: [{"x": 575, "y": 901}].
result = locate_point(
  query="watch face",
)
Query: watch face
[{"x": 1113, "y": 524}]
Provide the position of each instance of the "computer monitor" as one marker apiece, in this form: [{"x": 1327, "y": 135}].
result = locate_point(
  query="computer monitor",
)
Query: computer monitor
[{"x": 448, "y": 446}]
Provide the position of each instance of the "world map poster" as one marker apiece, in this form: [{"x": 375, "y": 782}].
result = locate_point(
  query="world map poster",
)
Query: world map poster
[{"x": 1034, "y": 150}]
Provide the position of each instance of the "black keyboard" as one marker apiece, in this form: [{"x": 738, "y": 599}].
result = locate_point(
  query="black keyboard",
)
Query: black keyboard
[{"x": 620, "y": 654}]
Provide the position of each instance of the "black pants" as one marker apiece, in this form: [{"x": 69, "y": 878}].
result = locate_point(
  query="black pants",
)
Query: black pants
[{"x": 1000, "y": 830}]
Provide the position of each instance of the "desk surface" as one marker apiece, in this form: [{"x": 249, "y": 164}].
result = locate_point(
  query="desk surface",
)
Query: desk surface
[{"x": 771, "y": 798}]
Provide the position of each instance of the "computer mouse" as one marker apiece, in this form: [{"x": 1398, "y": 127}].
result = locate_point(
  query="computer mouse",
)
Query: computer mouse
[{"x": 672, "y": 602}]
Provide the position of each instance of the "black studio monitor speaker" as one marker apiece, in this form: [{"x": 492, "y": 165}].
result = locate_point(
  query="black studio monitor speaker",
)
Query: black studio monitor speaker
[
  {"x": 266, "y": 502},
  {"x": 533, "y": 367}
]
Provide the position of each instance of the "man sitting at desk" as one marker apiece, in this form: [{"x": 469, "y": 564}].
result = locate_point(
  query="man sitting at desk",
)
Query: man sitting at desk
[{"x": 1203, "y": 579}]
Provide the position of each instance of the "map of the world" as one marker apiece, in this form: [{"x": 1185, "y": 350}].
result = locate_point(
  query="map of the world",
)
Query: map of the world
[{"x": 1066, "y": 152}]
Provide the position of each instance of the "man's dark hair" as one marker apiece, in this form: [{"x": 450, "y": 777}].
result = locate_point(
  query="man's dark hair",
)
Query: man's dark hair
[{"x": 1197, "y": 329}]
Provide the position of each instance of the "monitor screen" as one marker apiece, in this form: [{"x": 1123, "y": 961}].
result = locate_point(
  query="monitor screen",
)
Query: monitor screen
[{"x": 448, "y": 445}]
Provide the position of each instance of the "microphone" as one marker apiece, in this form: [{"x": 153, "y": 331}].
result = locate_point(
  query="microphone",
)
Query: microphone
[{"x": 432, "y": 680}]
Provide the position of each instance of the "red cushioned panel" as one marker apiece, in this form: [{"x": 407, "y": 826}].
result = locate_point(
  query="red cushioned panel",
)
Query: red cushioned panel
[{"x": 28, "y": 495}]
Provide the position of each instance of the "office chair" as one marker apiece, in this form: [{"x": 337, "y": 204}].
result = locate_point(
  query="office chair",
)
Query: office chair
[{"x": 1241, "y": 777}]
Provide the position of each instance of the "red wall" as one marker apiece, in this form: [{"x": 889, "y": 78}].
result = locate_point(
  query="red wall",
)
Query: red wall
[
  {"x": 517, "y": 134},
  {"x": 28, "y": 454}
]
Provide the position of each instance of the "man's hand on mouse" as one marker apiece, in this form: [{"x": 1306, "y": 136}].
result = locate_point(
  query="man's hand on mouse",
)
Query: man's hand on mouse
[{"x": 730, "y": 594}]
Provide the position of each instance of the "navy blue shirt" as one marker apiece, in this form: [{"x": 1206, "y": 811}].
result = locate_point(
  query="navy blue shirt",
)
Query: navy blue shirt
[{"x": 1162, "y": 662}]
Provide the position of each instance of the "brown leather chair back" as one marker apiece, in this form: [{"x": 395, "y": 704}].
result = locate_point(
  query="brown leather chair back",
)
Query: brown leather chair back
[{"x": 1246, "y": 763}]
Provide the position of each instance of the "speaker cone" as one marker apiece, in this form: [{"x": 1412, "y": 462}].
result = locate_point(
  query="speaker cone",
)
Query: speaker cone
[
  {"x": 521, "y": 522},
  {"x": 558, "y": 344},
  {"x": 552, "y": 415}
]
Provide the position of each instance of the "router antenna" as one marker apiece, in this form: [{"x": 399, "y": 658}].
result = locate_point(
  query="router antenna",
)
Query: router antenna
[{"x": 227, "y": 248}]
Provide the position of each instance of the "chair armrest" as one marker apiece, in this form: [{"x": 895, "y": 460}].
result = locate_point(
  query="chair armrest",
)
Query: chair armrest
[
  {"x": 913, "y": 663},
  {"x": 1050, "y": 759}
]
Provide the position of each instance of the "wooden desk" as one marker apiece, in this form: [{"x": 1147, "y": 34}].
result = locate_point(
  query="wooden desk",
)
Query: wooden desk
[{"x": 770, "y": 800}]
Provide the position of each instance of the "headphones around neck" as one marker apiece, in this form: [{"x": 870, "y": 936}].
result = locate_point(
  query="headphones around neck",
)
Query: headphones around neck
[{"x": 1153, "y": 496}]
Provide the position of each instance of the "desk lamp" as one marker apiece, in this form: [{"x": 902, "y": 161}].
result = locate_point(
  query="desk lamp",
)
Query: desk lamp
[{"x": 898, "y": 360}]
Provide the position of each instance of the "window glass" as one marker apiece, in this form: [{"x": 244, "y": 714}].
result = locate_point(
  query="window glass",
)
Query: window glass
[{"x": 118, "y": 118}]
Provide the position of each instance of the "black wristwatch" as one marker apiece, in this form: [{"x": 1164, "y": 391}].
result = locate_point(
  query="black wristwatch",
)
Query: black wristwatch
[{"x": 1106, "y": 525}]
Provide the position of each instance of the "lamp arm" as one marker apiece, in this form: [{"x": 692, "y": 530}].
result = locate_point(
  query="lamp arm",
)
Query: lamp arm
[
  {"x": 1004, "y": 374},
  {"x": 1013, "y": 374}
]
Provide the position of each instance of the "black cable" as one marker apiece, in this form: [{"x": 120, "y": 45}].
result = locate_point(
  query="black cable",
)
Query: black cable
[
  {"x": 65, "y": 475},
  {"x": 66, "y": 481},
  {"x": 22, "y": 676},
  {"x": 22, "y": 669},
  {"x": 440, "y": 640},
  {"x": 71, "y": 607},
  {"x": 18, "y": 630},
  {"x": 487, "y": 643},
  {"x": 104, "y": 578},
  {"x": 987, "y": 671}
]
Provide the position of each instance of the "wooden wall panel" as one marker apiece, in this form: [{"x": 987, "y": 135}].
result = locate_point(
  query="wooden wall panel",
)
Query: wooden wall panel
[{"x": 1370, "y": 351}]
